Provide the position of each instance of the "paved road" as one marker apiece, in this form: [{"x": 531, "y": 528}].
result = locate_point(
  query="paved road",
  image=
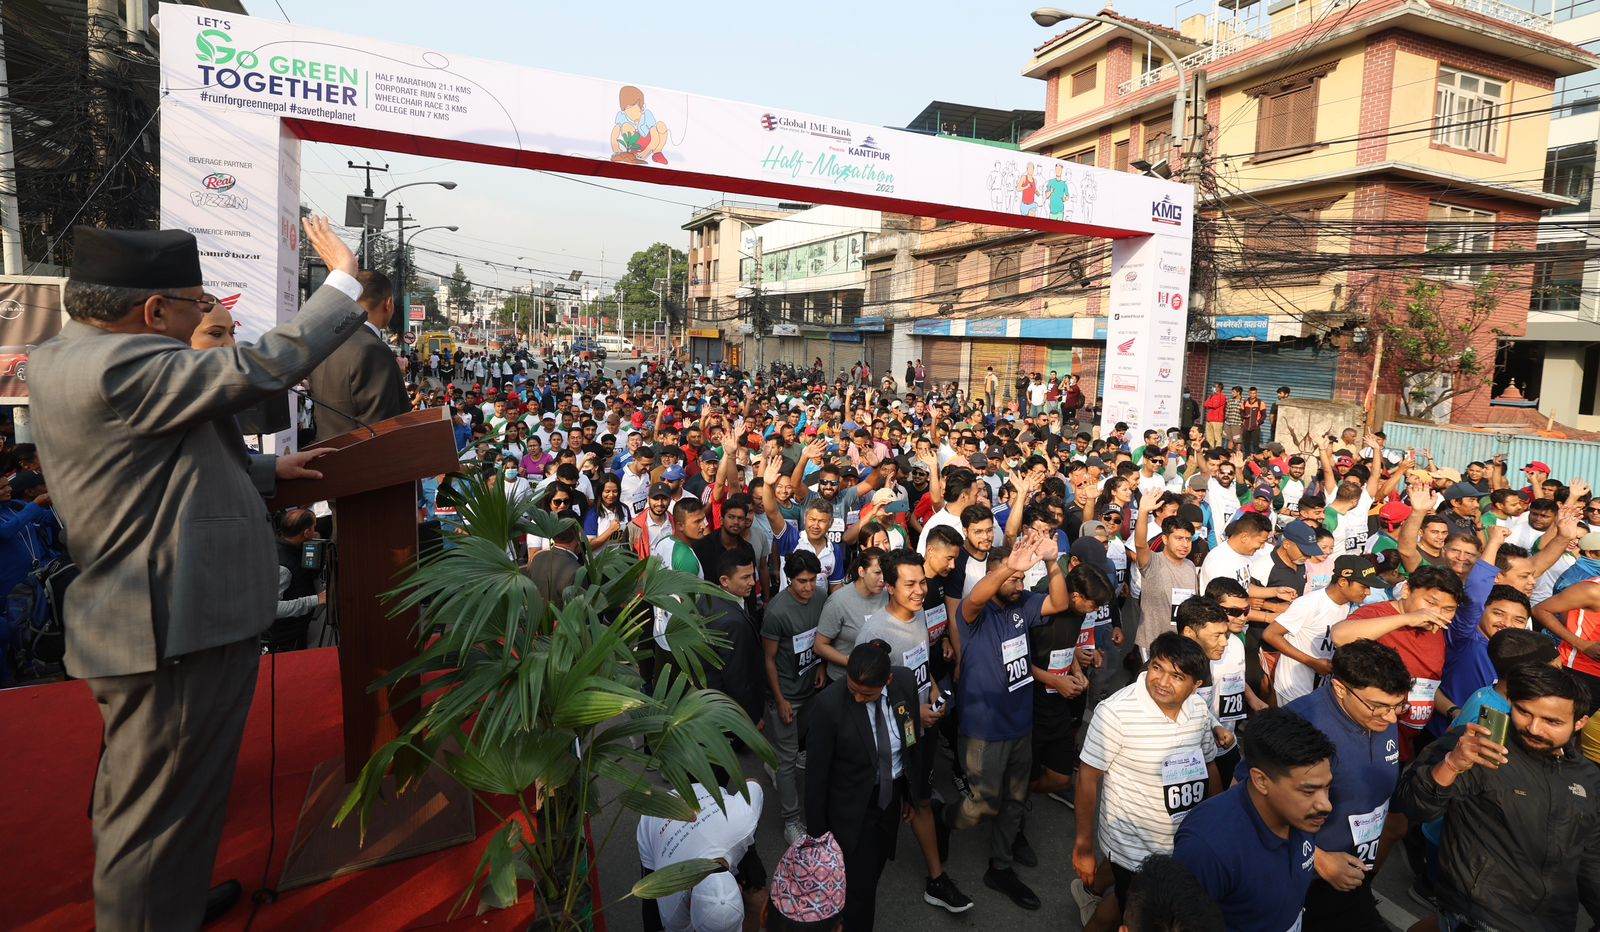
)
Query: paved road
[{"x": 1050, "y": 828}]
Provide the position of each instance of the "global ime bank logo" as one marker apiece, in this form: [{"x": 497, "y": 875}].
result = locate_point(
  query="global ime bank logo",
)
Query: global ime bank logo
[{"x": 223, "y": 65}]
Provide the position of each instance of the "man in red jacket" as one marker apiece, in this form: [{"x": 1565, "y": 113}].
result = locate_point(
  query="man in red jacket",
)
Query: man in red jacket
[{"x": 1216, "y": 412}]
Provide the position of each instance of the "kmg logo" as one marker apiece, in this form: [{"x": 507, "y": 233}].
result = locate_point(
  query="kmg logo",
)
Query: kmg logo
[{"x": 1165, "y": 211}]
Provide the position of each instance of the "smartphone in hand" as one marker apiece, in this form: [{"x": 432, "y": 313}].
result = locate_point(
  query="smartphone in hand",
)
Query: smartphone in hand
[{"x": 1498, "y": 723}]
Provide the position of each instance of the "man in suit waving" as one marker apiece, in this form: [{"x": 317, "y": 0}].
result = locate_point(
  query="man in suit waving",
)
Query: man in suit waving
[
  {"x": 361, "y": 378},
  {"x": 163, "y": 507},
  {"x": 864, "y": 742}
]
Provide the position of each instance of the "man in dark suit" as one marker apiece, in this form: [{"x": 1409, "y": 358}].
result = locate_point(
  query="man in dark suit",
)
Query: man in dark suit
[
  {"x": 863, "y": 742},
  {"x": 361, "y": 378},
  {"x": 554, "y": 568}
]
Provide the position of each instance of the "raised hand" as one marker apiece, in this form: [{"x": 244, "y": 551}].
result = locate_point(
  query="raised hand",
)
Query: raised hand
[
  {"x": 1424, "y": 498},
  {"x": 335, "y": 254}
]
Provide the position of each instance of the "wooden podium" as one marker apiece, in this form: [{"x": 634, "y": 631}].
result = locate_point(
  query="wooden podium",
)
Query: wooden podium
[{"x": 371, "y": 480}]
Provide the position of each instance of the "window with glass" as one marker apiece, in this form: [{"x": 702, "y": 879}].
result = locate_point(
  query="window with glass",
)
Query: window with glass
[
  {"x": 1571, "y": 9},
  {"x": 1569, "y": 172},
  {"x": 1460, "y": 230},
  {"x": 1558, "y": 277},
  {"x": 1082, "y": 156},
  {"x": 1467, "y": 111}
]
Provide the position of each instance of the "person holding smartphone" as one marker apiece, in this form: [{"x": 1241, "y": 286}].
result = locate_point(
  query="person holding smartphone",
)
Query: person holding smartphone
[{"x": 1521, "y": 818}]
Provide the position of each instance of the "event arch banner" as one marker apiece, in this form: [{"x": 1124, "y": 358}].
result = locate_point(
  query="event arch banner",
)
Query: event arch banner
[{"x": 240, "y": 93}]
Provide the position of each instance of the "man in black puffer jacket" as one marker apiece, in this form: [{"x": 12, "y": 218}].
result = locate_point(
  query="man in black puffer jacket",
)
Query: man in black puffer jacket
[{"x": 1521, "y": 844}]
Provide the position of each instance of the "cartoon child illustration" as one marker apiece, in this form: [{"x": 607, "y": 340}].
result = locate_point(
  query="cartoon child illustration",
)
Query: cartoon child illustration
[
  {"x": 1056, "y": 191},
  {"x": 997, "y": 196},
  {"x": 1028, "y": 185},
  {"x": 637, "y": 134}
]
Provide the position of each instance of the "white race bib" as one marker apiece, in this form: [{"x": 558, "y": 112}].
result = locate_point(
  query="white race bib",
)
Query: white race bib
[
  {"x": 1183, "y": 781},
  {"x": 936, "y": 618},
  {"x": 1061, "y": 661},
  {"x": 916, "y": 660},
  {"x": 1032, "y": 576},
  {"x": 1014, "y": 658},
  {"x": 805, "y": 653},
  {"x": 1419, "y": 703},
  {"x": 1365, "y": 828},
  {"x": 836, "y": 531},
  {"x": 1230, "y": 698},
  {"x": 1179, "y": 596}
]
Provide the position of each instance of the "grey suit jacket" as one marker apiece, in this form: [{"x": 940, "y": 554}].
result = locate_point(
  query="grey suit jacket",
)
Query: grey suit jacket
[
  {"x": 361, "y": 378},
  {"x": 161, "y": 500}
]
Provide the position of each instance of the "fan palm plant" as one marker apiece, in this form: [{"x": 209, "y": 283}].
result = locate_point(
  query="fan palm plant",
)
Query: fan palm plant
[{"x": 542, "y": 702}]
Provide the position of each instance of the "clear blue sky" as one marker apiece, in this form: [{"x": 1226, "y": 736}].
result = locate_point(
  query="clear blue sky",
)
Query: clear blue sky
[{"x": 875, "y": 62}]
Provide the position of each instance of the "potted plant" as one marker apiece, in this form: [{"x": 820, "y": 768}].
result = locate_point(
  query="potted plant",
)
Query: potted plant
[{"x": 542, "y": 703}]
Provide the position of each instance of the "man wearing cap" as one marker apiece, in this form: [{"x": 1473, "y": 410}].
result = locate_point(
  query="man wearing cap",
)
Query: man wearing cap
[
  {"x": 1461, "y": 511},
  {"x": 726, "y": 832},
  {"x": 1537, "y": 473},
  {"x": 1301, "y": 634},
  {"x": 167, "y": 645}
]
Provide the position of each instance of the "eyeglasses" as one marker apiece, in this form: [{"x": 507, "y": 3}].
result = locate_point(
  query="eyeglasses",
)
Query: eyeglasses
[
  {"x": 1379, "y": 709},
  {"x": 1237, "y": 612},
  {"x": 206, "y": 302},
  {"x": 828, "y": 482}
]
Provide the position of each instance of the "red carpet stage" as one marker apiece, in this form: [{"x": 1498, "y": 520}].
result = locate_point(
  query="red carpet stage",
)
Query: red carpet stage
[{"x": 49, "y": 744}]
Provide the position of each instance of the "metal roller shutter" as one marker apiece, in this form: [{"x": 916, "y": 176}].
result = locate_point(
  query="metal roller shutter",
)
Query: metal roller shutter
[
  {"x": 878, "y": 352},
  {"x": 1005, "y": 357},
  {"x": 944, "y": 359},
  {"x": 1308, "y": 369},
  {"x": 821, "y": 349},
  {"x": 788, "y": 351}
]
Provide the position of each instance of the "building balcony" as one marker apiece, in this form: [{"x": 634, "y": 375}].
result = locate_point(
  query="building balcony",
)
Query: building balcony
[{"x": 1230, "y": 36}]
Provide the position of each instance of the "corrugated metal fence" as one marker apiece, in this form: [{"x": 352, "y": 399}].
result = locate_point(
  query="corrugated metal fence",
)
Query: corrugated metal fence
[{"x": 1567, "y": 459}]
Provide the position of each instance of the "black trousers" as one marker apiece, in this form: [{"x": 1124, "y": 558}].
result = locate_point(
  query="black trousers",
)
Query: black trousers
[
  {"x": 1328, "y": 910},
  {"x": 863, "y": 863}
]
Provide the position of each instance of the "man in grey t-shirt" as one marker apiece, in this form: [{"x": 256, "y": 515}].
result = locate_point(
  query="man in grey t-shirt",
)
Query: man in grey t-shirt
[
  {"x": 788, "y": 638},
  {"x": 846, "y": 610},
  {"x": 1170, "y": 577}
]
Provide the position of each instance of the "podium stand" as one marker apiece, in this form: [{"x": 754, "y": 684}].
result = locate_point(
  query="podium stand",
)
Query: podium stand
[{"x": 370, "y": 477}]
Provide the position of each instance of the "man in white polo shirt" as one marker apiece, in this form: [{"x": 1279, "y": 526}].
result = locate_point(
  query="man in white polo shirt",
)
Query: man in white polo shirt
[
  {"x": 1301, "y": 634},
  {"x": 1147, "y": 761}
]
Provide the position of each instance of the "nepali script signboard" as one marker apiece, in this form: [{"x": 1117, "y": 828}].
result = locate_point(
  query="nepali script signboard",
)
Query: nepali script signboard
[{"x": 241, "y": 93}]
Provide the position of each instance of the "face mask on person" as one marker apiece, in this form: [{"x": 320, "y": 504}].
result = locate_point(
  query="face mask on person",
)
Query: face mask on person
[{"x": 511, "y": 474}]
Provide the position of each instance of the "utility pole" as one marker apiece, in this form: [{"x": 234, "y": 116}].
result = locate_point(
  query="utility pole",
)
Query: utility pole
[
  {"x": 366, "y": 228},
  {"x": 666, "y": 288},
  {"x": 402, "y": 318},
  {"x": 758, "y": 316},
  {"x": 10, "y": 227},
  {"x": 1192, "y": 154}
]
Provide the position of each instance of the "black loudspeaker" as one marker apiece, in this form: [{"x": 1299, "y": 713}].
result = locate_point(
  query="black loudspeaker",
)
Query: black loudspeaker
[{"x": 266, "y": 417}]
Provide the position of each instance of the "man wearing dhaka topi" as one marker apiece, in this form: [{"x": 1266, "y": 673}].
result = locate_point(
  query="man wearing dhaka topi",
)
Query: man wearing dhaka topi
[{"x": 636, "y": 135}]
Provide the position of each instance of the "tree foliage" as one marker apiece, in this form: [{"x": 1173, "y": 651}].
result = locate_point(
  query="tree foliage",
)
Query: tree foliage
[
  {"x": 638, "y": 287},
  {"x": 458, "y": 289},
  {"x": 1433, "y": 349}
]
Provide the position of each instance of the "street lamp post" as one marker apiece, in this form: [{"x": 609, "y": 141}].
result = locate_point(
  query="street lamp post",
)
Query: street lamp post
[
  {"x": 1049, "y": 16},
  {"x": 404, "y": 312}
]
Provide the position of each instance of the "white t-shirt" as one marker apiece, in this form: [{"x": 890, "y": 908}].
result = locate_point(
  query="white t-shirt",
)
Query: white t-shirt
[
  {"x": 1226, "y": 563},
  {"x": 1225, "y": 695},
  {"x": 1350, "y": 533},
  {"x": 716, "y": 903},
  {"x": 944, "y": 518},
  {"x": 1306, "y": 623},
  {"x": 1155, "y": 770},
  {"x": 635, "y": 490},
  {"x": 1224, "y": 502}
]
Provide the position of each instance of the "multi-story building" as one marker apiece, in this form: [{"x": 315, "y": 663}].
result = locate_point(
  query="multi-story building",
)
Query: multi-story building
[
  {"x": 1557, "y": 363},
  {"x": 802, "y": 288},
  {"x": 1350, "y": 145},
  {"x": 716, "y": 232}
]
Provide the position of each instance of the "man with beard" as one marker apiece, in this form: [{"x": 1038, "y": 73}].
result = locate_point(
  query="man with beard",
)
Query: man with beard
[
  {"x": 1521, "y": 819},
  {"x": 997, "y": 721},
  {"x": 1259, "y": 875}
]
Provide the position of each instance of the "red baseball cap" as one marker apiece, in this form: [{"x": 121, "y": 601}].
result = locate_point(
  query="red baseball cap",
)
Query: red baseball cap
[
  {"x": 1395, "y": 512},
  {"x": 1536, "y": 466}
]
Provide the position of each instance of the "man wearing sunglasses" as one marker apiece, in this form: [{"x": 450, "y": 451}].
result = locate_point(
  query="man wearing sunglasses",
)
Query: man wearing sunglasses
[{"x": 1357, "y": 708}]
